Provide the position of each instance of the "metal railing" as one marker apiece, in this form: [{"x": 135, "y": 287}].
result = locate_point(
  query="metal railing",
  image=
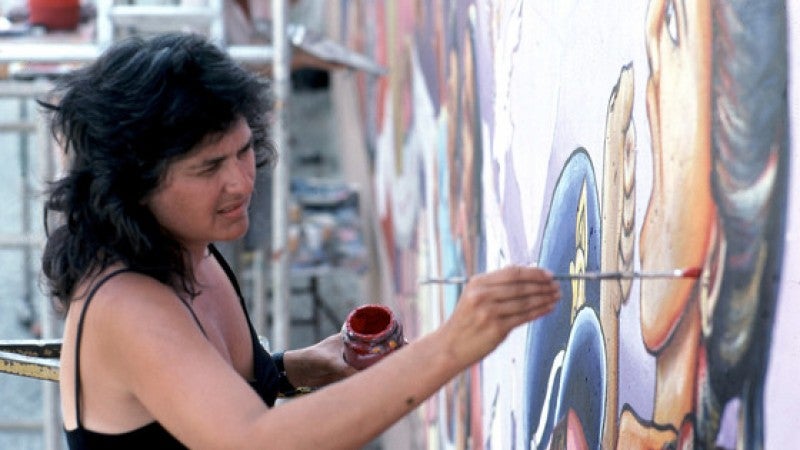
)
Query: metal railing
[
  {"x": 31, "y": 358},
  {"x": 37, "y": 165}
]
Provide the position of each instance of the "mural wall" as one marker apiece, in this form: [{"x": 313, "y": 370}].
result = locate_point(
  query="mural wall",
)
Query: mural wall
[{"x": 585, "y": 136}]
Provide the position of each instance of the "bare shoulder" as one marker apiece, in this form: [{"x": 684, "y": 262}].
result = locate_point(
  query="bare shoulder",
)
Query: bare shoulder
[
  {"x": 128, "y": 311},
  {"x": 132, "y": 308},
  {"x": 145, "y": 358},
  {"x": 124, "y": 298},
  {"x": 132, "y": 320}
]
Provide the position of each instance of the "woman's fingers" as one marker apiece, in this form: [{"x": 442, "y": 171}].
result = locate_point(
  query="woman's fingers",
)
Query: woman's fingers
[
  {"x": 494, "y": 303},
  {"x": 521, "y": 305},
  {"x": 513, "y": 274},
  {"x": 526, "y": 315},
  {"x": 516, "y": 295},
  {"x": 512, "y": 285}
]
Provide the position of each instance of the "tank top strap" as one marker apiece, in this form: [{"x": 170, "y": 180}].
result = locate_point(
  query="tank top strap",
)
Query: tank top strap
[
  {"x": 78, "y": 336},
  {"x": 232, "y": 277},
  {"x": 267, "y": 377},
  {"x": 228, "y": 270}
]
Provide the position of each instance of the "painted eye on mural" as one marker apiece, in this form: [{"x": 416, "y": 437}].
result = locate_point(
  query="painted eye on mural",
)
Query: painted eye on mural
[{"x": 671, "y": 21}]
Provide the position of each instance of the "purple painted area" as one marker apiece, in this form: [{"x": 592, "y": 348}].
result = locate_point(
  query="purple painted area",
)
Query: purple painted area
[
  {"x": 782, "y": 390},
  {"x": 512, "y": 214},
  {"x": 636, "y": 370},
  {"x": 484, "y": 68}
]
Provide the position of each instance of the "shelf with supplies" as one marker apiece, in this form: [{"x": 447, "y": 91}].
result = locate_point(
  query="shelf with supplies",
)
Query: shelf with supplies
[
  {"x": 325, "y": 240},
  {"x": 325, "y": 229}
]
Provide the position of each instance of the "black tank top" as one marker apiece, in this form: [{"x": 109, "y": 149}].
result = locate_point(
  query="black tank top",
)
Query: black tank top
[{"x": 153, "y": 435}]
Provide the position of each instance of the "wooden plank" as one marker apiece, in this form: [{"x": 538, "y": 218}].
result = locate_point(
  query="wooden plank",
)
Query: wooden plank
[{"x": 29, "y": 366}]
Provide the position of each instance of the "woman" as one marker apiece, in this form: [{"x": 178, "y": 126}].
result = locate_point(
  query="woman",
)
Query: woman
[{"x": 164, "y": 136}]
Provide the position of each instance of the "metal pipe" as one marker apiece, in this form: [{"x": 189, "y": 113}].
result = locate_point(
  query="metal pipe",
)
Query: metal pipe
[
  {"x": 20, "y": 241},
  {"x": 280, "y": 258},
  {"x": 255, "y": 54},
  {"x": 14, "y": 127},
  {"x": 21, "y": 425},
  {"x": 84, "y": 53},
  {"x": 53, "y": 439},
  {"x": 48, "y": 53},
  {"x": 217, "y": 26},
  {"x": 104, "y": 27},
  {"x": 144, "y": 15},
  {"x": 22, "y": 89}
]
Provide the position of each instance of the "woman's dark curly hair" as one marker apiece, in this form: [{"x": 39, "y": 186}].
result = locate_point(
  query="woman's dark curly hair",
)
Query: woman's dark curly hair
[{"x": 122, "y": 121}]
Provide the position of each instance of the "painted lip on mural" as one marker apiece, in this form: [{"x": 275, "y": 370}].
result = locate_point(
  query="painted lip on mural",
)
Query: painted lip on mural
[{"x": 690, "y": 272}]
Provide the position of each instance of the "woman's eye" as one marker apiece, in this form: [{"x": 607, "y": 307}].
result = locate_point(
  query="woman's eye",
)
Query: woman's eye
[
  {"x": 209, "y": 170},
  {"x": 671, "y": 21},
  {"x": 245, "y": 151}
]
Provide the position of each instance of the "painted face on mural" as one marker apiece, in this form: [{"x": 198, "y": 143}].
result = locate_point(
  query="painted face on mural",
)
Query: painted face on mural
[{"x": 679, "y": 221}]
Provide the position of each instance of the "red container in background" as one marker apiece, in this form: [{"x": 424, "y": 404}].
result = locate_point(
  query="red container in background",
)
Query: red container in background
[
  {"x": 54, "y": 14},
  {"x": 370, "y": 333}
]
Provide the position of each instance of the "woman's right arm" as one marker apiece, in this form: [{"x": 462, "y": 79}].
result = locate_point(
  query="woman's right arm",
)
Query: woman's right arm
[{"x": 185, "y": 384}]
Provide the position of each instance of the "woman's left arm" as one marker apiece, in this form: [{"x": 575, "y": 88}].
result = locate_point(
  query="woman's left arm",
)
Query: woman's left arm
[{"x": 317, "y": 365}]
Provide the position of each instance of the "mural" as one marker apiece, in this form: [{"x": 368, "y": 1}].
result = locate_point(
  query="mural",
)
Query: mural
[{"x": 586, "y": 136}]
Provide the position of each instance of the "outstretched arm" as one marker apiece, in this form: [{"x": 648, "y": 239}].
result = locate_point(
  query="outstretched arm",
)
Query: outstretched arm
[
  {"x": 358, "y": 409},
  {"x": 206, "y": 404}
]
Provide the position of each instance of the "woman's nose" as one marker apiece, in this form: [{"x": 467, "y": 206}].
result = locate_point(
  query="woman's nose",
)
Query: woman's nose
[{"x": 239, "y": 176}]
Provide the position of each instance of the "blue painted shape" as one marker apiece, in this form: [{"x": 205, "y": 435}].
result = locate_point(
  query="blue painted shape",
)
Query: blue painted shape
[{"x": 547, "y": 337}]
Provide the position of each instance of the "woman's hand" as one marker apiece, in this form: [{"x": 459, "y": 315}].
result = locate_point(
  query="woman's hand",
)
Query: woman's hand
[
  {"x": 494, "y": 303},
  {"x": 319, "y": 364}
]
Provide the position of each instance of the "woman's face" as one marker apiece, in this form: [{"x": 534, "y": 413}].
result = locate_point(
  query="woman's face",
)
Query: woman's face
[
  {"x": 680, "y": 215},
  {"x": 204, "y": 196}
]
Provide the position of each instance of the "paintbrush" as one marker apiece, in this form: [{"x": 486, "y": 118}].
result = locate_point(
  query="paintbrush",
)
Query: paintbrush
[{"x": 691, "y": 272}]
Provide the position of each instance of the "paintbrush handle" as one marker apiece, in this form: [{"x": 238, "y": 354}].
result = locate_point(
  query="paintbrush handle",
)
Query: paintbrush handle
[
  {"x": 693, "y": 272},
  {"x": 450, "y": 280},
  {"x": 592, "y": 276},
  {"x": 677, "y": 273}
]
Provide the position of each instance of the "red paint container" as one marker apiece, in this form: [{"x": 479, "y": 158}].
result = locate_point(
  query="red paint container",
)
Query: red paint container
[
  {"x": 370, "y": 333},
  {"x": 54, "y": 14}
]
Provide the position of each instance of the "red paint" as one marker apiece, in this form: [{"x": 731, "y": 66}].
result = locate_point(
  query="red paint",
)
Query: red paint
[
  {"x": 369, "y": 333},
  {"x": 692, "y": 272},
  {"x": 370, "y": 320}
]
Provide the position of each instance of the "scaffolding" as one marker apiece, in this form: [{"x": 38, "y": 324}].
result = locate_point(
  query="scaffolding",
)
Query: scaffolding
[
  {"x": 36, "y": 359},
  {"x": 109, "y": 19},
  {"x": 30, "y": 239}
]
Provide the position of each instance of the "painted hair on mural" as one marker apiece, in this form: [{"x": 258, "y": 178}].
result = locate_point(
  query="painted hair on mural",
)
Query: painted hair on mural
[{"x": 750, "y": 149}]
